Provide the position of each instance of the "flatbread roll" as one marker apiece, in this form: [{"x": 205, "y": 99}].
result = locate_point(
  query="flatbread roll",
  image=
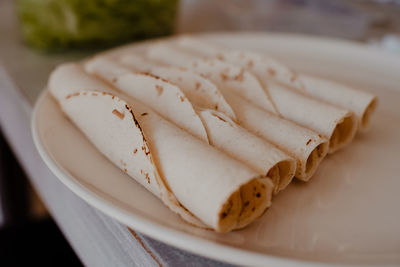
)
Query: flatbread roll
[
  {"x": 361, "y": 103},
  {"x": 274, "y": 163},
  {"x": 69, "y": 79},
  {"x": 157, "y": 93},
  {"x": 272, "y": 68},
  {"x": 238, "y": 79},
  {"x": 174, "y": 165},
  {"x": 306, "y": 146},
  {"x": 336, "y": 124},
  {"x": 255, "y": 152},
  {"x": 201, "y": 92}
]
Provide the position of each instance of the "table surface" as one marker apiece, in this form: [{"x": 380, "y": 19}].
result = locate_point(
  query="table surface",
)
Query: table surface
[{"x": 96, "y": 238}]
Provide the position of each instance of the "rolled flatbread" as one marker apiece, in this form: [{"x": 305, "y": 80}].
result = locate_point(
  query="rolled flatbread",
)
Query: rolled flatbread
[
  {"x": 174, "y": 165},
  {"x": 201, "y": 92},
  {"x": 255, "y": 152},
  {"x": 237, "y": 78},
  {"x": 71, "y": 76},
  {"x": 337, "y": 124},
  {"x": 272, "y": 68},
  {"x": 273, "y": 163},
  {"x": 69, "y": 79},
  {"x": 306, "y": 146},
  {"x": 163, "y": 96},
  {"x": 361, "y": 103}
]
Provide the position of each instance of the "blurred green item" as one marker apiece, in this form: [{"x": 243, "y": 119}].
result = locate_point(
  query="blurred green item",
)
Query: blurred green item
[{"x": 62, "y": 24}]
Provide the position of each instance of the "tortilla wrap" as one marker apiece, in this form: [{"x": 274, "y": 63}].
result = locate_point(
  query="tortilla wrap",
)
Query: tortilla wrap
[
  {"x": 337, "y": 124},
  {"x": 174, "y": 165},
  {"x": 69, "y": 79},
  {"x": 243, "y": 146},
  {"x": 71, "y": 76},
  {"x": 306, "y": 146},
  {"x": 272, "y": 68},
  {"x": 361, "y": 103},
  {"x": 239, "y": 80},
  {"x": 159, "y": 94},
  {"x": 200, "y": 91},
  {"x": 272, "y": 159}
]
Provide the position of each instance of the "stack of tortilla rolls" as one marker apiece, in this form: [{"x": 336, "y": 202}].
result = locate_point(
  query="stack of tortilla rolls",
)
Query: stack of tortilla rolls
[{"x": 214, "y": 133}]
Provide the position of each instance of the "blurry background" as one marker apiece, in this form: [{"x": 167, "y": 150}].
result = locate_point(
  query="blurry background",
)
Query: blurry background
[
  {"x": 53, "y": 31},
  {"x": 361, "y": 20}
]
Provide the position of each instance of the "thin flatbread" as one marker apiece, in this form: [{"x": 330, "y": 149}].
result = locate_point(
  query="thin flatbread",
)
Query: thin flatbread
[
  {"x": 306, "y": 146},
  {"x": 222, "y": 131},
  {"x": 172, "y": 164},
  {"x": 250, "y": 149},
  {"x": 361, "y": 103},
  {"x": 162, "y": 96},
  {"x": 201, "y": 92},
  {"x": 239, "y": 80}
]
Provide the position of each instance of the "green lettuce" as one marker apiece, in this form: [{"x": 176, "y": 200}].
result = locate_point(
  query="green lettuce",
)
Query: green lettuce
[{"x": 60, "y": 24}]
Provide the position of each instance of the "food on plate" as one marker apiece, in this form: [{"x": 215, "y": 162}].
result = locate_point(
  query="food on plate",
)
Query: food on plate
[
  {"x": 306, "y": 146},
  {"x": 202, "y": 184},
  {"x": 337, "y": 124},
  {"x": 201, "y": 91},
  {"x": 254, "y": 151},
  {"x": 156, "y": 93},
  {"x": 361, "y": 103},
  {"x": 168, "y": 99},
  {"x": 214, "y": 133}
]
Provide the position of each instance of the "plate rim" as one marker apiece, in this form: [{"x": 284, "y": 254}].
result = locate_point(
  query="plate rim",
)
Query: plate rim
[{"x": 165, "y": 234}]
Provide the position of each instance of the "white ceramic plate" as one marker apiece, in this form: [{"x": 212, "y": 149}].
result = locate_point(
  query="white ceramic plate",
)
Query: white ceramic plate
[{"x": 349, "y": 212}]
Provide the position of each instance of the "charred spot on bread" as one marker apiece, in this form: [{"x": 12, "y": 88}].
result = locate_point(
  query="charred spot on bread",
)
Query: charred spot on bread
[
  {"x": 217, "y": 116},
  {"x": 220, "y": 57},
  {"x": 240, "y": 76},
  {"x": 120, "y": 115},
  {"x": 294, "y": 77},
  {"x": 224, "y": 76},
  {"x": 147, "y": 177},
  {"x": 271, "y": 72},
  {"x": 159, "y": 89},
  {"x": 71, "y": 95}
]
